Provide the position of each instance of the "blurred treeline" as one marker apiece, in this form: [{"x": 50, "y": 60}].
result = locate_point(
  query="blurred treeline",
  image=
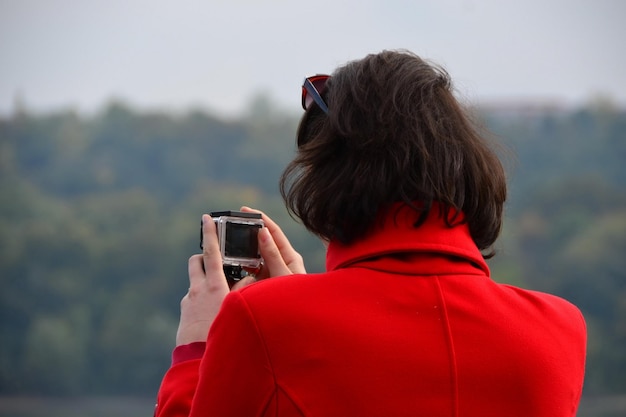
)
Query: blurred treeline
[{"x": 99, "y": 214}]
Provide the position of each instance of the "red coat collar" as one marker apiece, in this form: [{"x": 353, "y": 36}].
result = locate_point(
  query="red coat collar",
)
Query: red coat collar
[{"x": 396, "y": 235}]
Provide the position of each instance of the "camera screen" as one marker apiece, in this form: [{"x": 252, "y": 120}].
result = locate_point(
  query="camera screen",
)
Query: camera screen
[{"x": 241, "y": 240}]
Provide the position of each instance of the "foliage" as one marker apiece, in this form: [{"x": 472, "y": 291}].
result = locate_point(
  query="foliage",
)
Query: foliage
[{"x": 98, "y": 216}]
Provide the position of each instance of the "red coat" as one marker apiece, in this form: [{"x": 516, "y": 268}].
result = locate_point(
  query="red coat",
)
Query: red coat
[{"x": 407, "y": 322}]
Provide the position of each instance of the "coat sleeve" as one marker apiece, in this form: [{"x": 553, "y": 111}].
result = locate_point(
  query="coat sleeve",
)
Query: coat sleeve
[
  {"x": 233, "y": 378},
  {"x": 177, "y": 389}
]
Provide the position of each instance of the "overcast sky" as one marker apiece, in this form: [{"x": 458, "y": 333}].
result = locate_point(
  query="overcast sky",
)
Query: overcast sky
[{"x": 218, "y": 54}]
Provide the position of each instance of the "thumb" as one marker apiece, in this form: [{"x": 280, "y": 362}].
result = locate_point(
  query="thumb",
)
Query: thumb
[{"x": 274, "y": 263}]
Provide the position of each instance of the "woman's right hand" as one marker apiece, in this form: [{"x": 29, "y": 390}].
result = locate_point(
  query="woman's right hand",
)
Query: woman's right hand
[{"x": 279, "y": 257}]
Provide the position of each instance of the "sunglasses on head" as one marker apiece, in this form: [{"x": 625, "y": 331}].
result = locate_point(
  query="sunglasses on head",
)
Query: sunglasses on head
[{"x": 312, "y": 90}]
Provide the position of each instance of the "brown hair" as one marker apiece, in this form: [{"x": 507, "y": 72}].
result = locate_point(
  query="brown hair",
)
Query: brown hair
[{"x": 394, "y": 132}]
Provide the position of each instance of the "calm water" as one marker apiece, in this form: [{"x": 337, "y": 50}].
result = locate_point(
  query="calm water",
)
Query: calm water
[{"x": 77, "y": 407}]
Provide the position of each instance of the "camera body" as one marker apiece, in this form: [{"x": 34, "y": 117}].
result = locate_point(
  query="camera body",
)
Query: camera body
[{"x": 237, "y": 234}]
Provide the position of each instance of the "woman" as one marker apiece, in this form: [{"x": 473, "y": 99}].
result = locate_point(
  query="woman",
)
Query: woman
[{"x": 407, "y": 321}]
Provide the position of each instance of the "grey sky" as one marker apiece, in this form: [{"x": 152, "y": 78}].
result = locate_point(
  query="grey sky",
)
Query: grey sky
[{"x": 218, "y": 54}]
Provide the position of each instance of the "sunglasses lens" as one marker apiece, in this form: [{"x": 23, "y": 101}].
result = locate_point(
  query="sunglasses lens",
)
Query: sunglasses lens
[{"x": 319, "y": 82}]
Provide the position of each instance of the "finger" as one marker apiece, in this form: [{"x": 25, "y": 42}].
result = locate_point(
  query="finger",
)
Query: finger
[
  {"x": 288, "y": 253},
  {"x": 244, "y": 282},
  {"x": 211, "y": 256},
  {"x": 277, "y": 233},
  {"x": 196, "y": 271},
  {"x": 274, "y": 263}
]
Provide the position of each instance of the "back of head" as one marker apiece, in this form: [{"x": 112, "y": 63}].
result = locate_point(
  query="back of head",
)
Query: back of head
[{"x": 394, "y": 132}]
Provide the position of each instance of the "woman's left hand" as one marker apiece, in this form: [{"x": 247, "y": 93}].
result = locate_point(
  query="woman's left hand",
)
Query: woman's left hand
[{"x": 207, "y": 289}]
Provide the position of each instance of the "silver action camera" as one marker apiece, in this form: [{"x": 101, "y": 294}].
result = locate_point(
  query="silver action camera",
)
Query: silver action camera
[{"x": 237, "y": 234}]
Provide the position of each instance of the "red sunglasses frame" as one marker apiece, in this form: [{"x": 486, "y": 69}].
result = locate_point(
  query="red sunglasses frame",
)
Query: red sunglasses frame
[{"x": 312, "y": 89}]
